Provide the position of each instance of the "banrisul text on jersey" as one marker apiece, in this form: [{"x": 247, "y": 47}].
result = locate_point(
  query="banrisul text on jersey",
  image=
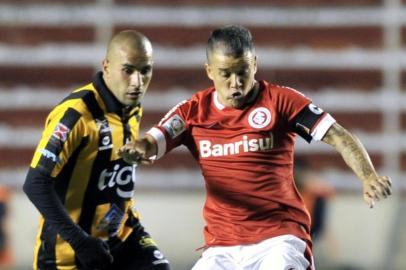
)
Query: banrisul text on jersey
[{"x": 208, "y": 149}]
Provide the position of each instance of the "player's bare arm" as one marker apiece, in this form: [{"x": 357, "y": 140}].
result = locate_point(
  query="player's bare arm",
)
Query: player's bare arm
[
  {"x": 375, "y": 187},
  {"x": 139, "y": 151}
]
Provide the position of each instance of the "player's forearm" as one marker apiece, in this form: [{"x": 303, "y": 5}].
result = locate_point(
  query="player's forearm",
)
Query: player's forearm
[
  {"x": 151, "y": 146},
  {"x": 351, "y": 150},
  {"x": 40, "y": 191}
]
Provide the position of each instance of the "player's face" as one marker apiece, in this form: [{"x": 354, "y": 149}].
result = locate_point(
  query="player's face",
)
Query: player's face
[
  {"x": 233, "y": 77},
  {"x": 128, "y": 74}
]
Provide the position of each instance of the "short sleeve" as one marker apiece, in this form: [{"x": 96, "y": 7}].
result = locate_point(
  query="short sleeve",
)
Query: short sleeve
[
  {"x": 289, "y": 102},
  {"x": 303, "y": 117},
  {"x": 171, "y": 130},
  {"x": 312, "y": 123}
]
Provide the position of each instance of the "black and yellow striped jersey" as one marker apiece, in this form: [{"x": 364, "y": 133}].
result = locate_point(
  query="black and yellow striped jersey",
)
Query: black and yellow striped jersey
[{"x": 77, "y": 152}]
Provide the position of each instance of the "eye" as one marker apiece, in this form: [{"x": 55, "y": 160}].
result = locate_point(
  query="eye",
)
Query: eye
[
  {"x": 243, "y": 72},
  {"x": 224, "y": 74},
  {"x": 128, "y": 70},
  {"x": 146, "y": 70}
]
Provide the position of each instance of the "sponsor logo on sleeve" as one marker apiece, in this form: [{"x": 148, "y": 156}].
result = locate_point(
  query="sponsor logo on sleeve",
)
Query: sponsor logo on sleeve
[
  {"x": 146, "y": 241},
  {"x": 160, "y": 258},
  {"x": 314, "y": 109},
  {"x": 259, "y": 118},
  {"x": 174, "y": 126},
  {"x": 158, "y": 254},
  {"x": 49, "y": 155},
  {"x": 61, "y": 132},
  {"x": 105, "y": 134}
]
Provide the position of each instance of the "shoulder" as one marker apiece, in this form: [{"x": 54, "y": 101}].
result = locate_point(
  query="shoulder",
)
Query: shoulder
[
  {"x": 189, "y": 108},
  {"x": 276, "y": 90},
  {"x": 77, "y": 101},
  {"x": 284, "y": 97},
  {"x": 200, "y": 98}
]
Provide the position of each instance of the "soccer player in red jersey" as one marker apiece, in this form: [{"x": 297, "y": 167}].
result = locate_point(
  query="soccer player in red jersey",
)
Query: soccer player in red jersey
[{"x": 242, "y": 134}]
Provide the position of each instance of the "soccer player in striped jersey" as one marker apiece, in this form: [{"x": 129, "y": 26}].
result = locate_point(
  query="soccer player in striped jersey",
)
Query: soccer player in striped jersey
[
  {"x": 82, "y": 188},
  {"x": 242, "y": 134}
]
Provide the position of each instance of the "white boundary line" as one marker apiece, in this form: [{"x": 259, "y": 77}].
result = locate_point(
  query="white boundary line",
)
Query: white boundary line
[
  {"x": 88, "y": 14},
  {"x": 346, "y": 100},
  {"x": 194, "y": 57},
  {"x": 192, "y": 179},
  {"x": 374, "y": 142}
]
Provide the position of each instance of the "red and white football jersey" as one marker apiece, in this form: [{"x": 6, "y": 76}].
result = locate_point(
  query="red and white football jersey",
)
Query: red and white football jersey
[{"x": 246, "y": 158}]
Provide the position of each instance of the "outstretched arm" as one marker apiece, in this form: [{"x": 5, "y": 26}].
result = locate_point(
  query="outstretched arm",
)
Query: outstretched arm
[
  {"x": 375, "y": 187},
  {"x": 139, "y": 151}
]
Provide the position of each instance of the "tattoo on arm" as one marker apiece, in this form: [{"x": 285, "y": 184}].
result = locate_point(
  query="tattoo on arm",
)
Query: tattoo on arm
[{"x": 351, "y": 149}]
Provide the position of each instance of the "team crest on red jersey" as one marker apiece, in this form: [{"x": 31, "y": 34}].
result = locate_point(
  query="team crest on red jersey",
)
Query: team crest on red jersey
[
  {"x": 260, "y": 117},
  {"x": 61, "y": 132}
]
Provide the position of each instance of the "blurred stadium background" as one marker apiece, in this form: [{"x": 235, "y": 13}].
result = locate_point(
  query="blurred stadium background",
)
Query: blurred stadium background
[{"x": 349, "y": 56}]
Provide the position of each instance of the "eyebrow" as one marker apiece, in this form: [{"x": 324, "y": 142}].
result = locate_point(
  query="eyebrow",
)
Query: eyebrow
[
  {"x": 126, "y": 65},
  {"x": 231, "y": 68}
]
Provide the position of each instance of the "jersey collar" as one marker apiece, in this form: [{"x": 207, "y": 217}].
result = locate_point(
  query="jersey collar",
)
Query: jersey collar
[
  {"x": 217, "y": 102},
  {"x": 251, "y": 99}
]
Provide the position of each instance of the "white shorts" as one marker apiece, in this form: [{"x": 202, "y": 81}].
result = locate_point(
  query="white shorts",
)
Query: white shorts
[{"x": 286, "y": 252}]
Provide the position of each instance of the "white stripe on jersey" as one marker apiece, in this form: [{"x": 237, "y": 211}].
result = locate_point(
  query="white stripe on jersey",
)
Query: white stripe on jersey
[
  {"x": 159, "y": 137},
  {"x": 322, "y": 127}
]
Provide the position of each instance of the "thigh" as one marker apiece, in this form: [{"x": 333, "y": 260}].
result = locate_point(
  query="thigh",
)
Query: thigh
[
  {"x": 288, "y": 252},
  {"x": 140, "y": 252}
]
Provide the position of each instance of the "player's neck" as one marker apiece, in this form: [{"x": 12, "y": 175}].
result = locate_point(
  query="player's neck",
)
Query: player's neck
[{"x": 252, "y": 94}]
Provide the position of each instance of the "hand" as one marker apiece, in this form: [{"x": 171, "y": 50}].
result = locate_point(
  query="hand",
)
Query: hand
[
  {"x": 375, "y": 188},
  {"x": 134, "y": 152},
  {"x": 93, "y": 253}
]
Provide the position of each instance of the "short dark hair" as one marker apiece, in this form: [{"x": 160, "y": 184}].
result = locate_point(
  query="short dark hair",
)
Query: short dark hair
[{"x": 234, "y": 40}]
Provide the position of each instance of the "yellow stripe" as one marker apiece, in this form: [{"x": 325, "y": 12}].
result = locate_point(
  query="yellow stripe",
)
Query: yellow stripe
[
  {"x": 79, "y": 180},
  {"x": 101, "y": 210},
  {"x": 38, "y": 243},
  {"x": 64, "y": 254}
]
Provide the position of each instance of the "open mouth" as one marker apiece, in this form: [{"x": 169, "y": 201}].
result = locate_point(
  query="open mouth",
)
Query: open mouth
[{"x": 236, "y": 95}]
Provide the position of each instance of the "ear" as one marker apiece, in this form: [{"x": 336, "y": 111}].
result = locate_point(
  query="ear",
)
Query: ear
[
  {"x": 255, "y": 64},
  {"x": 105, "y": 65},
  {"x": 208, "y": 71}
]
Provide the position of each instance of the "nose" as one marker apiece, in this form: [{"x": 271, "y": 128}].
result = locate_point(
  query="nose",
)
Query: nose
[
  {"x": 136, "y": 79},
  {"x": 235, "y": 81}
]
